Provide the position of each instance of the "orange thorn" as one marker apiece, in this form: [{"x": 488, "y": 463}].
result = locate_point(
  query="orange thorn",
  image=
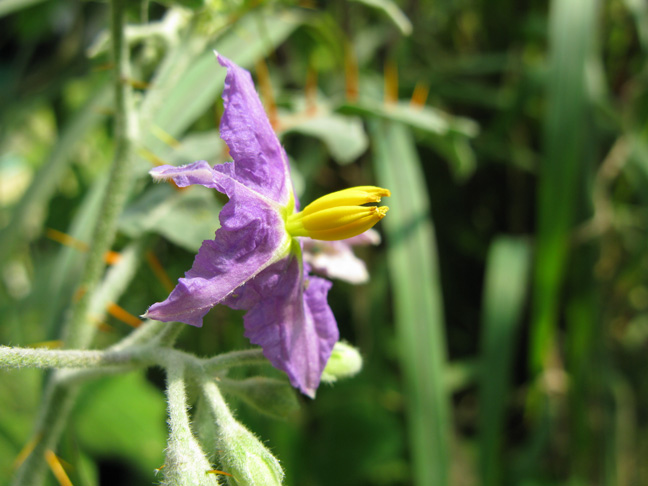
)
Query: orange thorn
[
  {"x": 391, "y": 82},
  {"x": 134, "y": 83},
  {"x": 351, "y": 73},
  {"x": 311, "y": 91},
  {"x": 104, "y": 67},
  {"x": 123, "y": 315},
  {"x": 166, "y": 137},
  {"x": 104, "y": 327},
  {"x": 265, "y": 86},
  {"x": 159, "y": 271},
  {"x": 80, "y": 292},
  {"x": 216, "y": 471},
  {"x": 111, "y": 257},
  {"x": 420, "y": 94},
  {"x": 66, "y": 240},
  {"x": 26, "y": 451},
  {"x": 57, "y": 469},
  {"x": 150, "y": 156},
  {"x": 57, "y": 343}
]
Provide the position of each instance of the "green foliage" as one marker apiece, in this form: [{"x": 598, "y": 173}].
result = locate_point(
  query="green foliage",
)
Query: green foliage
[{"x": 503, "y": 332}]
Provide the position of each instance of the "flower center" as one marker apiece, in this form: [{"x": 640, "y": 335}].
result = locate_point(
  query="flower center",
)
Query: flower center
[{"x": 339, "y": 215}]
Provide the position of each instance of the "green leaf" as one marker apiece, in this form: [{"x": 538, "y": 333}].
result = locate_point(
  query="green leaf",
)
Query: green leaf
[
  {"x": 563, "y": 172},
  {"x": 505, "y": 291},
  {"x": 394, "y": 13},
  {"x": 343, "y": 136},
  {"x": 123, "y": 416},
  {"x": 414, "y": 271},
  {"x": 10, "y": 6},
  {"x": 269, "y": 396},
  {"x": 28, "y": 216},
  {"x": 190, "y": 78},
  {"x": 425, "y": 118},
  {"x": 186, "y": 217},
  {"x": 445, "y": 133},
  {"x": 20, "y": 392}
]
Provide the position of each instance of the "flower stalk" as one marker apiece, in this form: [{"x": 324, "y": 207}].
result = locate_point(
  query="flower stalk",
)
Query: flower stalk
[{"x": 186, "y": 463}]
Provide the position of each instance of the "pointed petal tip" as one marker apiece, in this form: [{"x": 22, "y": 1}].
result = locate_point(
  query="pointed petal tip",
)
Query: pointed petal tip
[{"x": 222, "y": 60}]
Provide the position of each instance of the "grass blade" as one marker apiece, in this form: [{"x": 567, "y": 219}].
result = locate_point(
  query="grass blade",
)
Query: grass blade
[
  {"x": 418, "y": 305},
  {"x": 561, "y": 181},
  {"x": 505, "y": 291}
]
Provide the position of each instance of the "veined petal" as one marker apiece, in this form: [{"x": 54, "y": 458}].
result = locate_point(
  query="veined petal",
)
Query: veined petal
[
  {"x": 251, "y": 238},
  {"x": 260, "y": 161},
  {"x": 289, "y": 317}
]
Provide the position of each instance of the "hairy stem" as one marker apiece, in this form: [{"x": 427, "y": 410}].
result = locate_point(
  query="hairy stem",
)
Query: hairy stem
[
  {"x": 186, "y": 463},
  {"x": 225, "y": 361},
  {"x": 53, "y": 358}
]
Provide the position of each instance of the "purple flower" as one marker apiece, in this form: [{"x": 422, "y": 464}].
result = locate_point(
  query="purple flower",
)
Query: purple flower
[{"x": 255, "y": 260}]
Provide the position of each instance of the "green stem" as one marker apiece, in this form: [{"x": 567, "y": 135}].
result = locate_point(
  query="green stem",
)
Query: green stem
[
  {"x": 59, "y": 398},
  {"x": 186, "y": 463},
  {"x": 51, "y": 358},
  {"x": 225, "y": 361},
  {"x": 79, "y": 331}
]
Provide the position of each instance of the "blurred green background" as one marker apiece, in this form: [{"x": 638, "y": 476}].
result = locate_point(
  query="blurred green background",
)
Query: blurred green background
[{"x": 505, "y": 326}]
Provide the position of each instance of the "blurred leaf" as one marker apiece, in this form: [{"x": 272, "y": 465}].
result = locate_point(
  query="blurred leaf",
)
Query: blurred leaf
[
  {"x": 455, "y": 149},
  {"x": 426, "y": 118},
  {"x": 392, "y": 11},
  {"x": 343, "y": 136},
  {"x": 190, "y": 78},
  {"x": 10, "y": 6},
  {"x": 192, "y": 4},
  {"x": 19, "y": 396},
  {"x": 639, "y": 9},
  {"x": 28, "y": 216},
  {"x": 418, "y": 307},
  {"x": 445, "y": 133},
  {"x": 269, "y": 396},
  {"x": 68, "y": 263},
  {"x": 123, "y": 416},
  {"x": 562, "y": 175},
  {"x": 185, "y": 217},
  {"x": 198, "y": 146},
  {"x": 505, "y": 291}
]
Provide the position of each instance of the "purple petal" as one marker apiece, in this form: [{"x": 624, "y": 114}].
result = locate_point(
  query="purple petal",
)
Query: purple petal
[
  {"x": 291, "y": 320},
  {"x": 197, "y": 173},
  {"x": 251, "y": 237},
  {"x": 260, "y": 162}
]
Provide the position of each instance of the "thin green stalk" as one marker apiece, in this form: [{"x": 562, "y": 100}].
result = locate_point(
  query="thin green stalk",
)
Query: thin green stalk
[
  {"x": 79, "y": 331},
  {"x": 54, "y": 358},
  {"x": 59, "y": 398},
  {"x": 186, "y": 463},
  {"x": 225, "y": 361}
]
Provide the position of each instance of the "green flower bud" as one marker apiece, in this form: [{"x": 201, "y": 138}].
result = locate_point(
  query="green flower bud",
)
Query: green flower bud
[
  {"x": 345, "y": 362},
  {"x": 241, "y": 454},
  {"x": 246, "y": 458}
]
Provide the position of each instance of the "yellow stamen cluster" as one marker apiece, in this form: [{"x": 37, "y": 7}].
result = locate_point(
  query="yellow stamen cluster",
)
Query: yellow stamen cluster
[{"x": 339, "y": 215}]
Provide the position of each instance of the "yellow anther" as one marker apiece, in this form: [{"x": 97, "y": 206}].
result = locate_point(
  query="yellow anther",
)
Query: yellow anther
[
  {"x": 339, "y": 215},
  {"x": 353, "y": 196}
]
